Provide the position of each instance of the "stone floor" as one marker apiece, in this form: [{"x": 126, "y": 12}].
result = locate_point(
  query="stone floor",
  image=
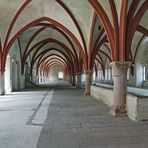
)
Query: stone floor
[
  {"x": 73, "y": 121},
  {"x": 22, "y": 115}
]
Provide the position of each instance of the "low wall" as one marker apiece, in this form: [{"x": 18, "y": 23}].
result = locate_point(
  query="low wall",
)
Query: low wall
[
  {"x": 105, "y": 95},
  {"x": 137, "y": 106}
]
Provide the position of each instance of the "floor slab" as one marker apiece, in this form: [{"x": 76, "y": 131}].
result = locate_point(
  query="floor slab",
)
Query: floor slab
[
  {"x": 78, "y": 121},
  {"x": 60, "y": 116},
  {"x": 22, "y": 115}
]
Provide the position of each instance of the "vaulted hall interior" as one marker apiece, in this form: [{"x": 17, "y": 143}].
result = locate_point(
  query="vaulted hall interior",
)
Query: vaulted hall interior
[{"x": 73, "y": 73}]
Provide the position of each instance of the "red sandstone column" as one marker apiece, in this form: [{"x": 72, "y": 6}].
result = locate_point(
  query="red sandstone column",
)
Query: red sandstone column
[
  {"x": 119, "y": 73},
  {"x": 78, "y": 82},
  {"x": 88, "y": 81}
]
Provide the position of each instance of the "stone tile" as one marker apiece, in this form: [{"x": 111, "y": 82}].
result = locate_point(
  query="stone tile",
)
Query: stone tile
[
  {"x": 131, "y": 140},
  {"x": 78, "y": 121}
]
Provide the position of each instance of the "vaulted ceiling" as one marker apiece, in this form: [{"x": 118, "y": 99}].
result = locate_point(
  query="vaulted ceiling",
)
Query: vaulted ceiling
[{"x": 64, "y": 32}]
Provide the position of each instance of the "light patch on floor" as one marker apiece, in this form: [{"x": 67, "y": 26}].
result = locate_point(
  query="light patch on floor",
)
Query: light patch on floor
[{"x": 22, "y": 115}]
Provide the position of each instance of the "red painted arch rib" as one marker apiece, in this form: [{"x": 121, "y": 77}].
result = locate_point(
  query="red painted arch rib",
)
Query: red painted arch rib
[
  {"x": 46, "y": 26},
  {"x": 43, "y": 60},
  {"x": 122, "y": 31},
  {"x": 134, "y": 24},
  {"x": 40, "y": 55},
  {"x": 37, "y": 22},
  {"x": 56, "y": 59},
  {"x": 51, "y": 62},
  {"x": 47, "y": 50},
  {"x": 106, "y": 23},
  {"x": 65, "y": 60},
  {"x": 14, "y": 20},
  {"x": 49, "y": 40},
  {"x": 142, "y": 30},
  {"x": 91, "y": 39},
  {"x": 33, "y": 37},
  {"x": 116, "y": 25},
  {"x": 75, "y": 22}
]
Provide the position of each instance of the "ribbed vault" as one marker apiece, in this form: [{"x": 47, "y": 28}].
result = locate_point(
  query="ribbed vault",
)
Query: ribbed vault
[{"x": 72, "y": 33}]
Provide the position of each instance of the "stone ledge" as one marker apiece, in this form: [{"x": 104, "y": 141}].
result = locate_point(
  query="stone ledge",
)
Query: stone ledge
[{"x": 137, "y": 106}]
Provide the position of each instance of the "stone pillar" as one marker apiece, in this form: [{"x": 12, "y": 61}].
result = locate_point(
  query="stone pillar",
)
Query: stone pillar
[
  {"x": 42, "y": 77},
  {"x": 22, "y": 82},
  {"x": 78, "y": 80},
  {"x": 119, "y": 73},
  {"x": 88, "y": 81},
  {"x": 67, "y": 78},
  {"x": 14, "y": 75},
  {"x": 8, "y": 76},
  {"x": 70, "y": 79},
  {"x": 73, "y": 80},
  {"x": 37, "y": 79},
  {"x": 2, "y": 84},
  {"x": 96, "y": 79}
]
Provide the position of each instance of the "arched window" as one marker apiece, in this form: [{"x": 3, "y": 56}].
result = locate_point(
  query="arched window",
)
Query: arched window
[
  {"x": 144, "y": 72},
  {"x": 109, "y": 74},
  {"x": 128, "y": 74},
  {"x": 60, "y": 75}
]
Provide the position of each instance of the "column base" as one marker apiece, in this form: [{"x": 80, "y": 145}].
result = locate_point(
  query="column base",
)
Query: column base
[
  {"x": 118, "y": 111},
  {"x": 87, "y": 93}
]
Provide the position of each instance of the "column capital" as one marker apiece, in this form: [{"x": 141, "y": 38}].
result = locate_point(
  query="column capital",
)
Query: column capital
[
  {"x": 119, "y": 68},
  {"x": 123, "y": 65}
]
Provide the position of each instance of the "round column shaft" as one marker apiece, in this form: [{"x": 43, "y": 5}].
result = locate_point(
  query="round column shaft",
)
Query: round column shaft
[{"x": 119, "y": 73}]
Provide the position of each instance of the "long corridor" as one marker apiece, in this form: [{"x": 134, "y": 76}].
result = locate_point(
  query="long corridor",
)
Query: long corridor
[{"x": 60, "y": 116}]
